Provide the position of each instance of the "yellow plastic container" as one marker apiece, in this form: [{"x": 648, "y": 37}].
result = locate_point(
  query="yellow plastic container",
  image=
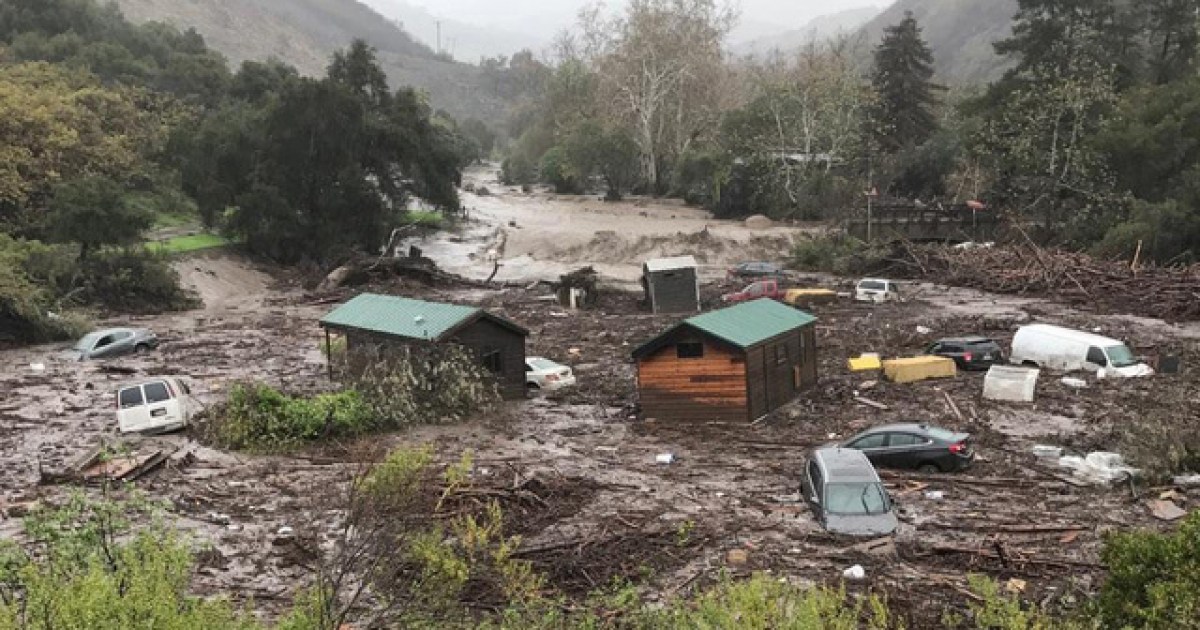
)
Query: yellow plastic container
[
  {"x": 865, "y": 363},
  {"x": 809, "y": 296},
  {"x": 919, "y": 369}
]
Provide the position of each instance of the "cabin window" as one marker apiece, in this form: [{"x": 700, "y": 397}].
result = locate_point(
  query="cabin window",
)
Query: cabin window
[
  {"x": 781, "y": 354},
  {"x": 690, "y": 350},
  {"x": 493, "y": 361}
]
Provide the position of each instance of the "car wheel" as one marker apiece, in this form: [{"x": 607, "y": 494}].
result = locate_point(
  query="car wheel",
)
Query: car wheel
[
  {"x": 929, "y": 469},
  {"x": 141, "y": 348}
]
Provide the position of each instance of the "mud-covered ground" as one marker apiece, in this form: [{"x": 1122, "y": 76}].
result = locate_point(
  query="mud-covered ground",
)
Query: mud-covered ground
[{"x": 602, "y": 506}]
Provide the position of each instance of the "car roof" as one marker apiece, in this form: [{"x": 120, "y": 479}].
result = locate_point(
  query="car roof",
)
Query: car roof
[
  {"x": 975, "y": 339},
  {"x": 875, "y": 280},
  {"x": 911, "y": 427},
  {"x": 109, "y": 331},
  {"x": 843, "y": 465},
  {"x": 1071, "y": 333}
]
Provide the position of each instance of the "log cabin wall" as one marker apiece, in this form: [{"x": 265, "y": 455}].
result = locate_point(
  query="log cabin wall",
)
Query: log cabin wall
[{"x": 677, "y": 385}]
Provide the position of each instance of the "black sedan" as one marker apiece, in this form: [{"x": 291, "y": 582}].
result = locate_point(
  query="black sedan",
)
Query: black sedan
[
  {"x": 919, "y": 447},
  {"x": 970, "y": 353}
]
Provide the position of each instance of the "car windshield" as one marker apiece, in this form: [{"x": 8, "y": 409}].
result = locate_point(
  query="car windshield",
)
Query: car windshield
[
  {"x": 986, "y": 344},
  {"x": 855, "y": 499},
  {"x": 872, "y": 285},
  {"x": 88, "y": 341},
  {"x": 543, "y": 364},
  {"x": 1120, "y": 356}
]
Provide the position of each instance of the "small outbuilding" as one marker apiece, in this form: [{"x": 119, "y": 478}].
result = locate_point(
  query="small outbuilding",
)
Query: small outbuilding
[
  {"x": 737, "y": 364},
  {"x": 672, "y": 285},
  {"x": 374, "y": 322}
]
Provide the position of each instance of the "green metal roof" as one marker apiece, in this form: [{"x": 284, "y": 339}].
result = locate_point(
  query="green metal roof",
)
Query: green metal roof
[
  {"x": 404, "y": 317},
  {"x": 744, "y": 326}
]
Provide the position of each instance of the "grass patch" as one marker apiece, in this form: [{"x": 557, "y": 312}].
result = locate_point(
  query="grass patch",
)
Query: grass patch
[
  {"x": 425, "y": 219},
  {"x": 193, "y": 243}
]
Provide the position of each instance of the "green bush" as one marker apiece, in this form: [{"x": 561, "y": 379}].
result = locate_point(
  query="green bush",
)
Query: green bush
[
  {"x": 259, "y": 416},
  {"x": 833, "y": 253},
  {"x": 1153, "y": 579},
  {"x": 87, "y": 567},
  {"x": 133, "y": 280},
  {"x": 399, "y": 390},
  {"x": 31, "y": 275},
  {"x": 764, "y": 603}
]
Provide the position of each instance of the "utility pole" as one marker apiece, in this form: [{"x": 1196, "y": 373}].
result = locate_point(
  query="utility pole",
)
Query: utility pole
[{"x": 439, "y": 37}]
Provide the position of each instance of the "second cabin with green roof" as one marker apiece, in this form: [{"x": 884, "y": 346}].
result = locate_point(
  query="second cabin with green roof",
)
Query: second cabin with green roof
[{"x": 737, "y": 364}]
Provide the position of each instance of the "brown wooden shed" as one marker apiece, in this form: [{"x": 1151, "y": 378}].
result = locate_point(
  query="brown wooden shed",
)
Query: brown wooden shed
[
  {"x": 371, "y": 320},
  {"x": 733, "y": 365}
]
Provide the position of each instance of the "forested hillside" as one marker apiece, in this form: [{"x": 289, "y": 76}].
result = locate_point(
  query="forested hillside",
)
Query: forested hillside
[
  {"x": 109, "y": 127},
  {"x": 304, "y": 33},
  {"x": 1088, "y": 128}
]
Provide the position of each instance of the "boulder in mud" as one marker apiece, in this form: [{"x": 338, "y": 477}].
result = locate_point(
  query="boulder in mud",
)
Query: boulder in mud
[{"x": 759, "y": 222}]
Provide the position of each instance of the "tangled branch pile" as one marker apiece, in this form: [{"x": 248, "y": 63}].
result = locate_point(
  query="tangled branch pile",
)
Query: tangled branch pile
[{"x": 1170, "y": 293}]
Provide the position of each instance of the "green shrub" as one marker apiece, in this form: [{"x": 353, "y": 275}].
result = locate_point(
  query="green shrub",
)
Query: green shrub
[
  {"x": 833, "y": 253},
  {"x": 133, "y": 280},
  {"x": 399, "y": 390},
  {"x": 764, "y": 603},
  {"x": 1153, "y": 579},
  {"x": 31, "y": 274},
  {"x": 259, "y": 416},
  {"x": 87, "y": 567}
]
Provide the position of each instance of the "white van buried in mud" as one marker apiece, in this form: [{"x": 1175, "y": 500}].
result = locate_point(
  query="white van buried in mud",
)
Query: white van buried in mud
[
  {"x": 1057, "y": 348},
  {"x": 156, "y": 406}
]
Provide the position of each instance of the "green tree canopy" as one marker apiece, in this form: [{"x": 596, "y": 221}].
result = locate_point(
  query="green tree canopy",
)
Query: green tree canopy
[{"x": 903, "y": 81}]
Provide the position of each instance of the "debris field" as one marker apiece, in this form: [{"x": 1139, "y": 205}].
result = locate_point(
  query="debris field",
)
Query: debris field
[{"x": 578, "y": 475}]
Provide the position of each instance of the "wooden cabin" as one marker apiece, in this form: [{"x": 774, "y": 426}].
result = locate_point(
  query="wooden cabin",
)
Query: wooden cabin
[
  {"x": 371, "y": 323},
  {"x": 737, "y": 364},
  {"x": 672, "y": 285}
]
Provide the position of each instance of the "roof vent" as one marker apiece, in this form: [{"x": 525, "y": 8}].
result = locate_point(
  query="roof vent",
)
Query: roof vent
[{"x": 419, "y": 319}]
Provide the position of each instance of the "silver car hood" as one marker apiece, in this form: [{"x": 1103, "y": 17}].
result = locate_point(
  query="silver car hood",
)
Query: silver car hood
[{"x": 861, "y": 525}]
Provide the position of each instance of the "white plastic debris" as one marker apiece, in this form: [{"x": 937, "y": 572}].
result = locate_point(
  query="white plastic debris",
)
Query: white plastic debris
[
  {"x": 1187, "y": 481},
  {"x": 1044, "y": 450},
  {"x": 922, "y": 330},
  {"x": 1074, "y": 383},
  {"x": 37, "y": 367},
  {"x": 855, "y": 572},
  {"x": 286, "y": 531},
  {"x": 1100, "y": 468},
  {"x": 665, "y": 458},
  {"x": 935, "y": 495},
  {"x": 1010, "y": 384}
]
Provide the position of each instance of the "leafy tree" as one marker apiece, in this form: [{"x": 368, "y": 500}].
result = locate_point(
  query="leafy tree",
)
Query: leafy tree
[
  {"x": 61, "y": 125},
  {"x": 1050, "y": 36},
  {"x": 557, "y": 170},
  {"x": 95, "y": 212},
  {"x": 610, "y": 153},
  {"x": 904, "y": 110}
]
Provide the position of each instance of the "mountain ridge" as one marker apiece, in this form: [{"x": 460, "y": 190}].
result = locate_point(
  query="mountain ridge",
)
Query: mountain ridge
[{"x": 306, "y": 33}]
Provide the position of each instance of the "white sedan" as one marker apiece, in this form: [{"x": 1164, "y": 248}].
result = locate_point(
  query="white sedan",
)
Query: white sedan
[{"x": 547, "y": 375}]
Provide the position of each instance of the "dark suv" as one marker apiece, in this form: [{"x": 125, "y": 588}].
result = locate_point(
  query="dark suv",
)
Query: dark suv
[
  {"x": 921, "y": 447},
  {"x": 755, "y": 270},
  {"x": 970, "y": 353}
]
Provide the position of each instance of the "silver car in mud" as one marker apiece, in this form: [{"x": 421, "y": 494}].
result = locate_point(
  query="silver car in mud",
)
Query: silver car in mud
[
  {"x": 114, "y": 342},
  {"x": 846, "y": 494}
]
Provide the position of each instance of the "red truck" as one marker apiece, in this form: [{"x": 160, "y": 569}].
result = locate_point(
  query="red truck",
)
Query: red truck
[{"x": 754, "y": 291}]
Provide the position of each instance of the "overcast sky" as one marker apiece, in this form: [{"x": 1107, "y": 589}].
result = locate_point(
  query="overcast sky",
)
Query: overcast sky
[{"x": 759, "y": 17}]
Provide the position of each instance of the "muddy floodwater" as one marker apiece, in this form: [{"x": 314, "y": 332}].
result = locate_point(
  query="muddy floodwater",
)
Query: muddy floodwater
[{"x": 732, "y": 488}]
